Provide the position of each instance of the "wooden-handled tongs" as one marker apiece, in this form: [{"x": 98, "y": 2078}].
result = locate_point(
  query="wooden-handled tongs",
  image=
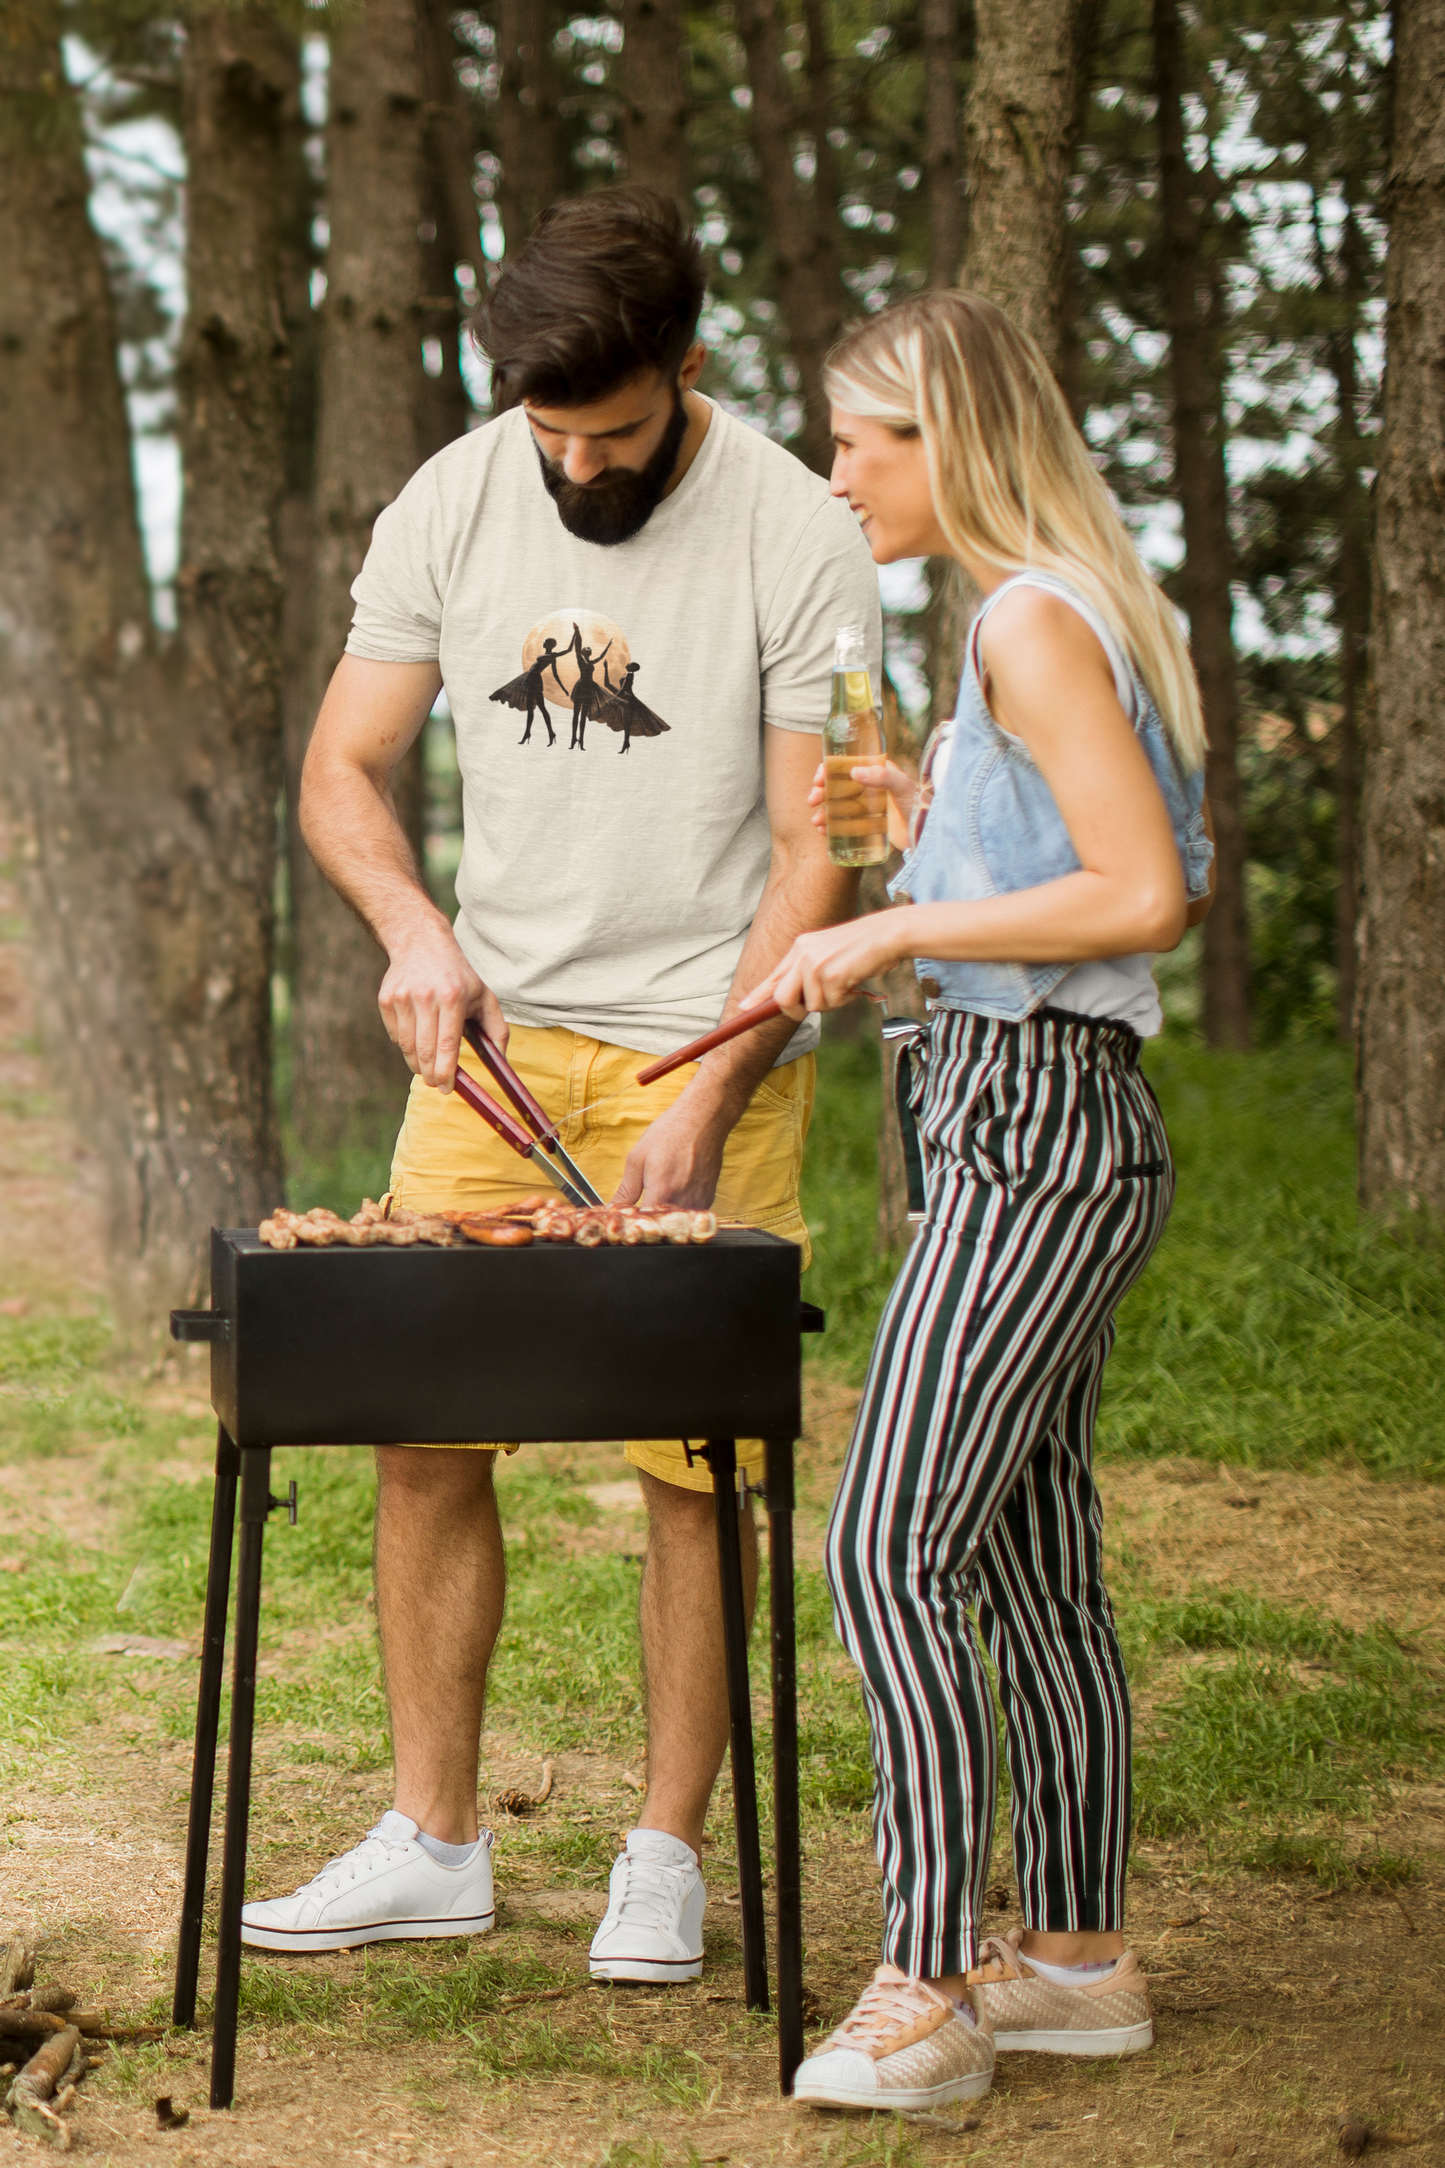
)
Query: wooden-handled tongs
[{"x": 538, "y": 1140}]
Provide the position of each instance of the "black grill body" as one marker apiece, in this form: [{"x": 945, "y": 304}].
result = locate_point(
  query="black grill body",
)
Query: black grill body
[
  {"x": 427, "y": 1346},
  {"x": 340, "y": 1346}
]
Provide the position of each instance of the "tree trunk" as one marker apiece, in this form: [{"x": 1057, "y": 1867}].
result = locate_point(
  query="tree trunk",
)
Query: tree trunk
[
  {"x": 654, "y": 90},
  {"x": 451, "y": 150},
  {"x": 529, "y": 134},
  {"x": 1352, "y": 616},
  {"x": 942, "y": 185},
  {"x": 1023, "y": 118},
  {"x": 1194, "y": 306},
  {"x": 827, "y": 190},
  {"x": 1402, "y": 1012},
  {"x": 301, "y": 200},
  {"x": 942, "y": 175},
  {"x": 143, "y": 782},
  {"x": 810, "y": 293},
  {"x": 348, "y": 1079}
]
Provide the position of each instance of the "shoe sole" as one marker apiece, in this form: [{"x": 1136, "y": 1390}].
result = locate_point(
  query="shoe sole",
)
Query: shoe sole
[
  {"x": 902, "y": 2097},
  {"x": 645, "y": 1968},
  {"x": 1119, "y": 2040},
  {"x": 354, "y": 1938}
]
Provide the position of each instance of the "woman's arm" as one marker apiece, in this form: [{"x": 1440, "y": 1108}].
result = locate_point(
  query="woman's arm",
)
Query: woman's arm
[{"x": 1049, "y": 683}]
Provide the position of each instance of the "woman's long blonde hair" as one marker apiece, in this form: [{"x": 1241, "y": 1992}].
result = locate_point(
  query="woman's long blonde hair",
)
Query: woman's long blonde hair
[{"x": 1012, "y": 480}]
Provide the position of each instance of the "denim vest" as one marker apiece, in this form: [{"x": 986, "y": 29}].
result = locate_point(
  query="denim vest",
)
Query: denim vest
[{"x": 994, "y": 826}]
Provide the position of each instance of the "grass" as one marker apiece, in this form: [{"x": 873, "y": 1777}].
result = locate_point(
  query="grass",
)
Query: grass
[
  {"x": 1272, "y": 1326},
  {"x": 1275, "y": 1325}
]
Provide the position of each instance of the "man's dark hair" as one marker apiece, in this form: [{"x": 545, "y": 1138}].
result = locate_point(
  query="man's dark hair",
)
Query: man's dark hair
[{"x": 608, "y": 285}]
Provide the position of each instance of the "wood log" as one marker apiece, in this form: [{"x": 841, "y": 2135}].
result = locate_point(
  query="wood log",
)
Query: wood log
[
  {"x": 53, "y": 1998},
  {"x": 48, "y": 2065},
  {"x": 17, "y": 1964},
  {"x": 30, "y": 2024},
  {"x": 95, "y": 2024},
  {"x": 29, "y": 2096}
]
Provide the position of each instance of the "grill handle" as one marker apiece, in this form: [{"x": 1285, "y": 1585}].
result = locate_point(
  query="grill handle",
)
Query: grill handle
[
  {"x": 200, "y": 1325},
  {"x": 811, "y": 1318}
]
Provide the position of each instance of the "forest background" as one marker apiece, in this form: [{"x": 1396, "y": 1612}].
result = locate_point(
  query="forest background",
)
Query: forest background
[{"x": 238, "y": 249}]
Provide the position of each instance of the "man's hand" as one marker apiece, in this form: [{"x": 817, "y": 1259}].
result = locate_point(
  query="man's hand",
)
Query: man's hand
[
  {"x": 679, "y": 1159},
  {"x": 427, "y": 995}
]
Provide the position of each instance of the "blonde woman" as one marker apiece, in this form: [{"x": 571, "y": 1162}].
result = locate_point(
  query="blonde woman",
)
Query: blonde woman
[{"x": 1059, "y": 842}]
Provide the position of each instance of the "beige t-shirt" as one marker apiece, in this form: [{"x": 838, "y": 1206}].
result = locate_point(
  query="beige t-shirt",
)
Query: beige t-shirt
[{"x": 609, "y": 706}]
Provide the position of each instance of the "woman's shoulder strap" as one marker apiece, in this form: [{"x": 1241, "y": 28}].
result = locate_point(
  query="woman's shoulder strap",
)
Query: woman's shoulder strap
[{"x": 1125, "y": 684}]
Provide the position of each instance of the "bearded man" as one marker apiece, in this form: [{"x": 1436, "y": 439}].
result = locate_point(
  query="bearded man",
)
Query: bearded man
[{"x": 608, "y": 515}]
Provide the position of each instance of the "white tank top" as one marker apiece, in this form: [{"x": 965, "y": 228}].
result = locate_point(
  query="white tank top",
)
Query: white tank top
[{"x": 1119, "y": 987}]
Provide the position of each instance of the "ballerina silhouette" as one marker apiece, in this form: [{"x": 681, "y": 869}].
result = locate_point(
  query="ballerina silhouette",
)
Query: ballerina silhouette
[
  {"x": 526, "y": 691},
  {"x": 587, "y": 694},
  {"x": 621, "y": 710}
]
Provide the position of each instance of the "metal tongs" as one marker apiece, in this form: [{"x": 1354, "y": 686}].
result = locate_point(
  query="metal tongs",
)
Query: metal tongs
[{"x": 539, "y": 1140}]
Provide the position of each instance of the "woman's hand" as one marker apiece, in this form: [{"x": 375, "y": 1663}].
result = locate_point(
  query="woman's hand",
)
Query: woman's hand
[
  {"x": 824, "y": 970},
  {"x": 902, "y": 789}
]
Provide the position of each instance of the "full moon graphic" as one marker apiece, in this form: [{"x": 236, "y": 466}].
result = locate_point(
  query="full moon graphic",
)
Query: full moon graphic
[{"x": 597, "y": 633}]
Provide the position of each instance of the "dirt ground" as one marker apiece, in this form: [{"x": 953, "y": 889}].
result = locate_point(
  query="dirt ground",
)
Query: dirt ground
[{"x": 1280, "y": 2007}]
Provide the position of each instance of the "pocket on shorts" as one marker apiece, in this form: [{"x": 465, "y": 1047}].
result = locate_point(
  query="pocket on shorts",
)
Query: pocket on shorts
[{"x": 763, "y": 1159}]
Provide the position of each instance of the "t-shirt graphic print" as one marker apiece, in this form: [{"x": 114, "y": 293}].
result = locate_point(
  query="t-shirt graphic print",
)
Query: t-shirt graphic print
[
  {"x": 574, "y": 686},
  {"x": 606, "y": 893}
]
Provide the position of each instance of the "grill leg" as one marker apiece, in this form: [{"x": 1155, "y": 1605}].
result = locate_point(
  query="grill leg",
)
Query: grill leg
[
  {"x": 255, "y": 1503},
  {"x": 785, "y": 1760},
  {"x": 208, "y": 1717},
  {"x": 723, "y": 1460}
]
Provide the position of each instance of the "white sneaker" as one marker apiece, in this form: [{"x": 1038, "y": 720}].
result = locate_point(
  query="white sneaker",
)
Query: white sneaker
[
  {"x": 902, "y": 2046},
  {"x": 652, "y": 1929},
  {"x": 385, "y": 1889}
]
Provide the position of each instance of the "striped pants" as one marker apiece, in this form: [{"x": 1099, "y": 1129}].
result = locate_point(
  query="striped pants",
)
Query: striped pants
[{"x": 969, "y": 1483}]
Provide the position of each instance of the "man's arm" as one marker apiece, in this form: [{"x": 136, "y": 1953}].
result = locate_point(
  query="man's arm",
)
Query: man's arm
[
  {"x": 371, "y": 715},
  {"x": 680, "y": 1157}
]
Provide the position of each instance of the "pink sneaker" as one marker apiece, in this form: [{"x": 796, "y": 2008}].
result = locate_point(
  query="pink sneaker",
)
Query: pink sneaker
[
  {"x": 1109, "y": 2017},
  {"x": 902, "y": 2046}
]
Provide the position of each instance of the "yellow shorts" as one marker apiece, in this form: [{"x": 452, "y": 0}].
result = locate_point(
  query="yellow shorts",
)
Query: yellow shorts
[{"x": 447, "y": 1157}]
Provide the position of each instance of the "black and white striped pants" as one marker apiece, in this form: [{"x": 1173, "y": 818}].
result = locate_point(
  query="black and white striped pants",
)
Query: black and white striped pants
[{"x": 969, "y": 1482}]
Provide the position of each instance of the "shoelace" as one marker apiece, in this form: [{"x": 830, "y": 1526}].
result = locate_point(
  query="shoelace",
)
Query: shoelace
[
  {"x": 997, "y": 1960},
  {"x": 370, "y": 1852},
  {"x": 650, "y": 1891},
  {"x": 885, "y": 2008}
]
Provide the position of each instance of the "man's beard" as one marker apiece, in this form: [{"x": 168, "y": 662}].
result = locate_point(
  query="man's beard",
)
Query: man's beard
[{"x": 618, "y": 506}]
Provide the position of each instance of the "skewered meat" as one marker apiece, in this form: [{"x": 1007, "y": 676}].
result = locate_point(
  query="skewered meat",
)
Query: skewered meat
[
  {"x": 557, "y": 1221},
  {"x": 372, "y": 1226},
  {"x": 513, "y": 1226}
]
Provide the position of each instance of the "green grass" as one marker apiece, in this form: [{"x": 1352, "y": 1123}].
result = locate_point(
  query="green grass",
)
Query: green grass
[
  {"x": 1267, "y": 1739},
  {"x": 1275, "y": 1325},
  {"x": 1272, "y": 1326}
]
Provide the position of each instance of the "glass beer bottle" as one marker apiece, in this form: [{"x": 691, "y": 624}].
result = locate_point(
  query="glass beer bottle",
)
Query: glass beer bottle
[{"x": 857, "y": 817}]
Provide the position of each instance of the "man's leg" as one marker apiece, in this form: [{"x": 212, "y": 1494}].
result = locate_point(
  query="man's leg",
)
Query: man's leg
[
  {"x": 682, "y": 1652},
  {"x": 652, "y": 1929},
  {"x": 440, "y": 1581},
  {"x": 422, "y": 1872}
]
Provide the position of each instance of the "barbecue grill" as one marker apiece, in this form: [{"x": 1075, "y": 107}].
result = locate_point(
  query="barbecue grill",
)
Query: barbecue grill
[{"x": 387, "y": 1346}]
